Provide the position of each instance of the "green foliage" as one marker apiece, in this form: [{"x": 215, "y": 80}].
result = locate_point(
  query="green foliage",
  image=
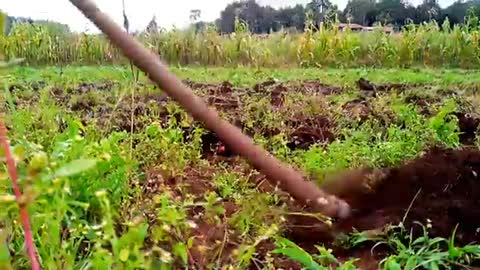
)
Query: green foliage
[
  {"x": 417, "y": 45},
  {"x": 424, "y": 251},
  {"x": 104, "y": 199},
  {"x": 3, "y": 23},
  {"x": 445, "y": 125},
  {"x": 311, "y": 262}
]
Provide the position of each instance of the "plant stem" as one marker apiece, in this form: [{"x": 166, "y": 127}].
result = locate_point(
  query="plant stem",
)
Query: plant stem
[{"x": 16, "y": 189}]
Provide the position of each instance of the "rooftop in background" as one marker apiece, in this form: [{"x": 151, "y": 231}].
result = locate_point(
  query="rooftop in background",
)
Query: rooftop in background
[{"x": 360, "y": 28}]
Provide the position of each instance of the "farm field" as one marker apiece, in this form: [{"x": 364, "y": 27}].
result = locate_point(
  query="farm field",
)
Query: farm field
[{"x": 118, "y": 176}]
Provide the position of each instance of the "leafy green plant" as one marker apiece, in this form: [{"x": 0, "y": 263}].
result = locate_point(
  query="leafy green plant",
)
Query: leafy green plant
[
  {"x": 308, "y": 261},
  {"x": 424, "y": 251},
  {"x": 417, "y": 45},
  {"x": 445, "y": 125},
  {"x": 102, "y": 198}
]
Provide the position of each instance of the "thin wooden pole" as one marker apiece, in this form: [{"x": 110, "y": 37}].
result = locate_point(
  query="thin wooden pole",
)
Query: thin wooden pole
[{"x": 279, "y": 174}]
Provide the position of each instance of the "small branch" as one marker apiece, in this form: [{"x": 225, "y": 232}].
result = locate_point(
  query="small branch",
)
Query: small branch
[{"x": 16, "y": 189}]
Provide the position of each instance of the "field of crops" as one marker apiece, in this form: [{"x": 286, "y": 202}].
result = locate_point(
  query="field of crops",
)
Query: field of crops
[
  {"x": 418, "y": 45},
  {"x": 117, "y": 176}
]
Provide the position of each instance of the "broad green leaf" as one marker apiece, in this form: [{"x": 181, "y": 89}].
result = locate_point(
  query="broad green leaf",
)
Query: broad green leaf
[
  {"x": 300, "y": 256},
  {"x": 124, "y": 253},
  {"x": 392, "y": 264},
  {"x": 294, "y": 252},
  {"x": 472, "y": 249},
  {"x": 247, "y": 255},
  {"x": 411, "y": 263},
  {"x": 434, "y": 266},
  {"x": 454, "y": 253},
  {"x": 76, "y": 167},
  {"x": 180, "y": 249}
]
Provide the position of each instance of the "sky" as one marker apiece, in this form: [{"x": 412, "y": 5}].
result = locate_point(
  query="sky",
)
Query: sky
[{"x": 139, "y": 12}]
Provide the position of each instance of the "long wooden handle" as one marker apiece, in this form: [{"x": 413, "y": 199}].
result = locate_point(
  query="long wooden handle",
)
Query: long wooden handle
[{"x": 281, "y": 175}]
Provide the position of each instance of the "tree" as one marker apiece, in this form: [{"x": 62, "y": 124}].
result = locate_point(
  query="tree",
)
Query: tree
[
  {"x": 320, "y": 8},
  {"x": 392, "y": 12},
  {"x": 291, "y": 17},
  {"x": 195, "y": 15},
  {"x": 152, "y": 27},
  {"x": 55, "y": 28},
  {"x": 471, "y": 19},
  {"x": 361, "y": 11},
  {"x": 262, "y": 19},
  {"x": 226, "y": 22},
  {"x": 428, "y": 10},
  {"x": 456, "y": 12}
]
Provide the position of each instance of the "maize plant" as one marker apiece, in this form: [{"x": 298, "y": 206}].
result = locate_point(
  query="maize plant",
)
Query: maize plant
[{"x": 427, "y": 44}]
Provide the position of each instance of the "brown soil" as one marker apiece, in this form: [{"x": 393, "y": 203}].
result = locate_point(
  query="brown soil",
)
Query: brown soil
[
  {"x": 358, "y": 109},
  {"x": 34, "y": 85},
  {"x": 448, "y": 194},
  {"x": 439, "y": 188},
  {"x": 368, "y": 86},
  {"x": 468, "y": 125},
  {"x": 309, "y": 130},
  {"x": 422, "y": 102},
  {"x": 278, "y": 90},
  {"x": 316, "y": 87},
  {"x": 86, "y": 87},
  {"x": 305, "y": 87}
]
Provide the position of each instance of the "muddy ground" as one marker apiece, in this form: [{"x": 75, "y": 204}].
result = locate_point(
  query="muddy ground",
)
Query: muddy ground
[{"x": 440, "y": 188}]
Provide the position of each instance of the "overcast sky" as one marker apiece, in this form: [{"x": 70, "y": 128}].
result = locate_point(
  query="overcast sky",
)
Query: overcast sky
[{"x": 140, "y": 12}]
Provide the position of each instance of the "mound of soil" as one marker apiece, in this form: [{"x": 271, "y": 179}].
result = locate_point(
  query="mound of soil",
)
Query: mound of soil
[
  {"x": 25, "y": 84},
  {"x": 468, "y": 125},
  {"x": 422, "y": 102},
  {"x": 86, "y": 87},
  {"x": 310, "y": 130},
  {"x": 317, "y": 87},
  {"x": 440, "y": 189},
  {"x": 441, "y": 186},
  {"x": 371, "y": 89},
  {"x": 358, "y": 109},
  {"x": 277, "y": 90}
]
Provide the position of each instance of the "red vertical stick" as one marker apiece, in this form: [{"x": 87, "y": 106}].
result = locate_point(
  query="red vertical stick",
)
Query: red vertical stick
[{"x": 16, "y": 189}]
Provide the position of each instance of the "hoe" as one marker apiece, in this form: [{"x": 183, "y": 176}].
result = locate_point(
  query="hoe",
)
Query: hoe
[{"x": 279, "y": 174}]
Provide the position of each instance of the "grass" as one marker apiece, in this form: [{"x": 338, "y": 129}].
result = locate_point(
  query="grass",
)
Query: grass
[
  {"x": 244, "y": 76},
  {"x": 102, "y": 197}
]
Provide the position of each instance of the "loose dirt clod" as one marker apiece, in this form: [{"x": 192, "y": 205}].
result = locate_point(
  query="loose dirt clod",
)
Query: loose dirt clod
[
  {"x": 310, "y": 130},
  {"x": 367, "y": 86},
  {"x": 358, "y": 109},
  {"x": 422, "y": 102},
  {"x": 468, "y": 125}
]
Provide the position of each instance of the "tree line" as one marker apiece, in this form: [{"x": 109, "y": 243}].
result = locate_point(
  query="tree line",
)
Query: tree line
[
  {"x": 265, "y": 19},
  {"x": 7, "y": 23}
]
